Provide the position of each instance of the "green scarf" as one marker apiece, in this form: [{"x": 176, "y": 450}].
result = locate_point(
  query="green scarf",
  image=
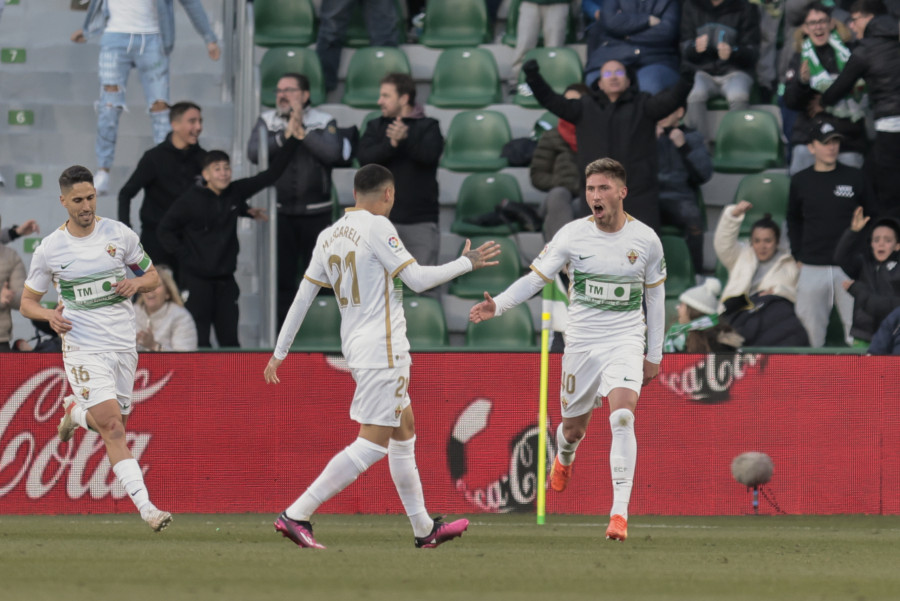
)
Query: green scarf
[
  {"x": 676, "y": 337},
  {"x": 852, "y": 107}
]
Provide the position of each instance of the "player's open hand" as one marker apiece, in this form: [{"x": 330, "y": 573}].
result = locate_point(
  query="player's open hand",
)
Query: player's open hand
[
  {"x": 484, "y": 310},
  {"x": 271, "y": 371},
  {"x": 127, "y": 287},
  {"x": 481, "y": 256},
  {"x": 651, "y": 370},
  {"x": 60, "y": 324}
]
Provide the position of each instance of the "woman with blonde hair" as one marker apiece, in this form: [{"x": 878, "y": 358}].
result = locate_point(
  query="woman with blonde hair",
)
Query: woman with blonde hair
[{"x": 163, "y": 324}]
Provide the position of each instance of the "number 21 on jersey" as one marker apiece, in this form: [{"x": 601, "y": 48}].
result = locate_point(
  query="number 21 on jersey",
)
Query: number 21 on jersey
[{"x": 345, "y": 266}]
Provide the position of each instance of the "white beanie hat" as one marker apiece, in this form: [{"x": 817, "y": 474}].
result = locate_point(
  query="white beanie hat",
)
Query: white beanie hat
[{"x": 703, "y": 298}]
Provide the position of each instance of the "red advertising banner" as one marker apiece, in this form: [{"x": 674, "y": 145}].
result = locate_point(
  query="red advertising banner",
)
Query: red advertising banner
[{"x": 212, "y": 437}]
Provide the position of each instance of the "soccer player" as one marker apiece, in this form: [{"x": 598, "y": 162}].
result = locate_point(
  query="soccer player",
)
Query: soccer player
[
  {"x": 86, "y": 260},
  {"x": 613, "y": 261},
  {"x": 359, "y": 257}
]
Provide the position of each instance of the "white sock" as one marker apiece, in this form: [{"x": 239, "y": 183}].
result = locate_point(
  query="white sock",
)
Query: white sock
[
  {"x": 565, "y": 450},
  {"x": 343, "y": 469},
  {"x": 405, "y": 473},
  {"x": 79, "y": 416},
  {"x": 129, "y": 474},
  {"x": 622, "y": 457}
]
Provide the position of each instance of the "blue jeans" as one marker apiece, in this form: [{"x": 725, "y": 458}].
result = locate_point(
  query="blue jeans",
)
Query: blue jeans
[{"x": 119, "y": 54}]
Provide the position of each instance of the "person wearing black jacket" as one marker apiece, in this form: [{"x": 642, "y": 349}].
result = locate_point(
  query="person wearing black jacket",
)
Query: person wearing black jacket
[
  {"x": 410, "y": 145},
  {"x": 200, "y": 230},
  {"x": 164, "y": 173},
  {"x": 617, "y": 121}
]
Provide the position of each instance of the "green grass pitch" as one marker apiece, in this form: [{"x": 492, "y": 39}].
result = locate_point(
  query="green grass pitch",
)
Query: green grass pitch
[{"x": 501, "y": 557}]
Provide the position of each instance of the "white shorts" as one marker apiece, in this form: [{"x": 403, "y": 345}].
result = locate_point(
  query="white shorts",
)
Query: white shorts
[
  {"x": 381, "y": 396},
  {"x": 589, "y": 376},
  {"x": 98, "y": 377}
]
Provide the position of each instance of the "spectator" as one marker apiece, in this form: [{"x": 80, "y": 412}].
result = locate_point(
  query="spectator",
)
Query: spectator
[
  {"x": 199, "y": 229},
  {"x": 720, "y": 38},
  {"x": 163, "y": 324},
  {"x": 12, "y": 283},
  {"x": 409, "y": 144},
  {"x": 821, "y": 203},
  {"x": 821, "y": 53},
  {"x": 684, "y": 164},
  {"x": 554, "y": 169},
  {"x": 771, "y": 13},
  {"x": 334, "y": 17},
  {"x": 699, "y": 328},
  {"x": 304, "y": 189},
  {"x": 886, "y": 340},
  {"x": 535, "y": 16},
  {"x": 874, "y": 280},
  {"x": 15, "y": 231},
  {"x": 876, "y": 60},
  {"x": 164, "y": 173},
  {"x": 641, "y": 35},
  {"x": 135, "y": 36},
  {"x": 592, "y": 12},
  {"x": 618, "y": 122}
]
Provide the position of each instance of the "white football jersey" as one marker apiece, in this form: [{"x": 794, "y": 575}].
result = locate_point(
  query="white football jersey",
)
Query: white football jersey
[
  {"x": 359, "y": 257},
  {"x": 83, "y": 270},
  {"x": 607, "y": 275}
]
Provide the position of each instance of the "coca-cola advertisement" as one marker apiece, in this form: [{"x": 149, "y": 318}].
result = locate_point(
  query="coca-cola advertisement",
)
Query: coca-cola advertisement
[{"x": 212, "y": 437}]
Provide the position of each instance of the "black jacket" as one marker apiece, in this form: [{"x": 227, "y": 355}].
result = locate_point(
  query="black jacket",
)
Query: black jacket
[
  {"x": 624, "y": 130},
  {"x": 414, "y": 163},
  {"x": 770, "y": 320},
  {"x": 741, "y": 22},
  {"x": 876, "y": 60},
  {"x": 199, "y": 229},
  {"x": 683, "y": 170},
  {"x": 164, "y": 173}
]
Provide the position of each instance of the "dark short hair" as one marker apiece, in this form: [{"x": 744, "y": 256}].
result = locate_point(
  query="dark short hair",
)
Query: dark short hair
[
  {"x": 578, "y": 87},
  {"x": 76, "y": 174},
  {"x": 215, "y": 156},
  {"x": 371, "y": 178},
  {"x": 608, "y": 167},
  {"x": 404, "y": 84},
  {"x": 767, "y": 223},
  {"x": 868, "y": 7},
  {"x": 302, "y": 83},
  {"x": 817, "y": 6},
  {"x": 180, "y": 108}
]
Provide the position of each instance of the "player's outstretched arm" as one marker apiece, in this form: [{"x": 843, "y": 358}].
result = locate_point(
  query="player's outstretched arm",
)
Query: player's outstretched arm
[
  {"x": 484, "y": 310},
  {"x": 481, "y": 256}
]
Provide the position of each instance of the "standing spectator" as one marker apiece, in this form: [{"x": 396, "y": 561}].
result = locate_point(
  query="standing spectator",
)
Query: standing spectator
[
  {"x": 771, "y": 13},
  {"x": 304, "y": 189},
  {"x": 12, "y": 283},
  {"x": 164, "y": 173},
  {"x": 618, "y": 122},
  {"x": 135, "y": 35},
  {"x": 163, "y": 324},
  {"x": 874, "y": 280},
  {"x": 720, "y": 38},
  {"x": 641, "y": 35},
  {"x": 821, "y": 54},
  {"x": 684, "y": 164},
  {"x": 877, "y": 61},
  {"x": 700, "y": 329},
  {"x": 886, "y": 340},
  {"x": 334, "y": 17},
  {"x": 409, "y": 144},
  {"x": 200, "y": 231},
  {"x": 535, "y": 16},
  {"x": 822, "y": 200}
]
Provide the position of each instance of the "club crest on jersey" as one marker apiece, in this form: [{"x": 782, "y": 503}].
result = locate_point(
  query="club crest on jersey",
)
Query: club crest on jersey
[
  {"x": 111, "y": 249},
  {"x": 397, "y": 412},
  {"x": 394, "y": 242},
  {"x": 544, "y": 251},
  {"x": 85, "y": 393},
  {"x": 632, "y": 256}
]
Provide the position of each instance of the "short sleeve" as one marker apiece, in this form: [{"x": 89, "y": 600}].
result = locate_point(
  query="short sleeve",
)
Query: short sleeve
[
  {"x": 40, "y": 277},
  {"x": 135, "y": 257},
  {"x": 316, "y": 271},
  {"x": 553, "y": 258},
  {"x": 655, "y": 273},
  {"x": 388, "y": 247}
]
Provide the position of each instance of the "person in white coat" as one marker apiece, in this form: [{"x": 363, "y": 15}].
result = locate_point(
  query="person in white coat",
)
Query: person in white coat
[{"x": 163, "y": 324}]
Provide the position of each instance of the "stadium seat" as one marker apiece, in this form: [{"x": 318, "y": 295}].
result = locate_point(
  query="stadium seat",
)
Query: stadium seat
[
  {"x": 278, "y": 61},
  {"x": 357, "y": 33},
  {"x": 492, "y": 279},
  {"x": 321, "y": 328},
  {"x": 514, "y": 331},
  {"x": 545, "y": 122},
  {"x": 479, "y": 194},
  {"x": 512, "y": 24},
  {"x": 465, "y": 78},
  {"x": 671, "y": 312},
  {"x": 426, "y": 325},
  {"x": 367, "y": 67},
  {"x": 280, "y": 23},
  {"x": 455, "y": 23},
  {"x": 747, "y": 142},
  {"x": 679, "y": 267},
  {"x": 559, "y": 66},
  {"x": 474, "y": 141},
  {"x": 674, "y": 230},
  {"x": 768, "y": 193}
]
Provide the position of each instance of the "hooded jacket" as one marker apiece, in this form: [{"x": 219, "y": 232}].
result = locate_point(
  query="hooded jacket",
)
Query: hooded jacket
[
  {"x": 554, "y": 165},
  {"x": 739, "y": 18}
]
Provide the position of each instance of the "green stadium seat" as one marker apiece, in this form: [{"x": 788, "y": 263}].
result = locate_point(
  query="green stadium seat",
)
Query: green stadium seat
[
  {"x": 455, "y": 23},
  {"x": 671, "y": 312},
  {"x": 278, "y": 61},
  {"x": 719, "y": 103},
  {"x": 514, "y": 331},
  {"x": 336, "y": 210},
  {"x": 367, "y": 67},
  {"x": 280, "y": 23},
  {"x": 321, "y": 328},
  {"x": 545, "y": 122},
  {"x": 768, "y": 193},
  {"x": 480, "y": 193},
  {"x": 560, "y": 68},
  {"x": 426, "y": 325},
  {"x": 494, "y": 279},
  {"x": 474, "y": 141},
  {"x": 357, "y": 33},
  {"x": 465, "y": 78},
  {"x": 679, "y": 267},
  {"x": 512, "y": 24},
  {"x": 748, "y": 142}
]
